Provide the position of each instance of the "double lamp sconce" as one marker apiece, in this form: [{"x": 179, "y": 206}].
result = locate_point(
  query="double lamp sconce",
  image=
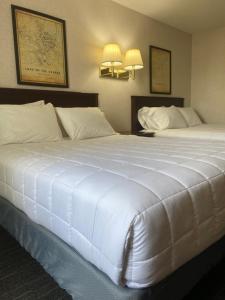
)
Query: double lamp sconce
[{"x": 113, "y": 66}]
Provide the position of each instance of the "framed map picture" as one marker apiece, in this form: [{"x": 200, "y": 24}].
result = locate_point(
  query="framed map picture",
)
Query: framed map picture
[
  {"x": 40, "y": 48},
  {"x": 160, "y": 70}
]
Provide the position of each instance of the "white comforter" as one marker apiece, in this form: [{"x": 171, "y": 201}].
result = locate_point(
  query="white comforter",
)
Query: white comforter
[
  {"x": 137, "y": 208},
  {"x": 200, "y": 132}
]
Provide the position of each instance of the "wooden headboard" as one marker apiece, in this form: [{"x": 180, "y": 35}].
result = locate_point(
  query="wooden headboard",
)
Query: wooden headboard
[
  {"x": 57, "y": 98},
  {"x": 138, "y": 102}
]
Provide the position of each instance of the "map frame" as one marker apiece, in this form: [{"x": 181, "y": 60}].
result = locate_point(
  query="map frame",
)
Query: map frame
[
  {"x": 57, "y": 74},
  {"x": 160, "y": 70}
]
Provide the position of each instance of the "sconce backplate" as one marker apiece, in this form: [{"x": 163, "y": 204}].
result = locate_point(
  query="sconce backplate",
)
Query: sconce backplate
[{"x": 119, "y": 74}]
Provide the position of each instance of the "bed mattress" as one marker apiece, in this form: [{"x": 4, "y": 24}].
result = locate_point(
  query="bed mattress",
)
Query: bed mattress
[
  {"x": 137, "y": 208},
  {"x": 203, "y": 131}
]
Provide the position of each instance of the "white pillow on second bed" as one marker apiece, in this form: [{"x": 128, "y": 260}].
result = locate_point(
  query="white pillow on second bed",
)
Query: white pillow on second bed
[
  {"x": 161, "y": 118},
  {"x": 190, "y": 116},
  {"x": 84, "y": 122},
  {"x": 28, "y": 123}
]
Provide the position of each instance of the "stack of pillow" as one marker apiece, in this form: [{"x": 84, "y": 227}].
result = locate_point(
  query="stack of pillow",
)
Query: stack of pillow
[
  {"x": 40, "y": 122},
  {"x": 161, "y": 118}
]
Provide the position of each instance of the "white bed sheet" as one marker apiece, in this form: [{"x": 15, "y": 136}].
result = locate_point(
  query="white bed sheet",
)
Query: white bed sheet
[
  {"x": 137, "y": 208},
  {"x": 203, "y": 131}
]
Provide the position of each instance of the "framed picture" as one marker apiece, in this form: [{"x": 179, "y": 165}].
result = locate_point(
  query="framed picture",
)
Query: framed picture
[
  {"x": 40, "y": 48},
  {"x": 160, "y": 70}
]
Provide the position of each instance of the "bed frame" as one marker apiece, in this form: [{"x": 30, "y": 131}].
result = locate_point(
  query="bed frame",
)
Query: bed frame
[
  {"x": 72, "y": 272},
  {"x": 138, "y": 102},
  {"x": 57, "y": 98}
]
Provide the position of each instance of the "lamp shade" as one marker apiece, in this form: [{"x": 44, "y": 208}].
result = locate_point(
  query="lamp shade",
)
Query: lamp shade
[
  {"x": 133, "y": 60},
  {"x": 111, "y": 56}
]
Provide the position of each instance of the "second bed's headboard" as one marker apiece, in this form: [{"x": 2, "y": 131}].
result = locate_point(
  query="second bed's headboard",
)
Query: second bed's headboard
[
  {"x": 57, "y": 98},
  {"x": 138, "y": 102}
]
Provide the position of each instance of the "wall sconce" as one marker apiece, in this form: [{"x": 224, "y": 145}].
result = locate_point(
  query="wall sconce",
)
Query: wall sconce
[
  {"x": 133, "y": 61},
  {"x": 112, "y": 63}
]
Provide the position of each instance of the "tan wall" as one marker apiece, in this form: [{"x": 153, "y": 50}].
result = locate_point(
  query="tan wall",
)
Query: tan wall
[
  {"x": 91, "y": 24},
  {"x": 208, "y": 75}
]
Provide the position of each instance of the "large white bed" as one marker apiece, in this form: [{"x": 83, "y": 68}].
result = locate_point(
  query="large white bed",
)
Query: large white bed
[
  {"x": 137, "y": 208},
  {"x": 115, "y": 217}
]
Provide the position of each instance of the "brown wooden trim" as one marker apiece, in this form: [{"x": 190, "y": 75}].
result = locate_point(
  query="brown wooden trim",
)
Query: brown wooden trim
[{"x": 57, "y": 98}]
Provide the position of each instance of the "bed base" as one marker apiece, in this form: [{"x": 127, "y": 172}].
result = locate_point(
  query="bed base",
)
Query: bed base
[{"x": 82, "y": 280}]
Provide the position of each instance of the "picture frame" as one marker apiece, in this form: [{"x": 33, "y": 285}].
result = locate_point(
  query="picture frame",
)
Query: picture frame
[
  {"x": 40, "y": 48},
  {"x": 160, "y": 70}
]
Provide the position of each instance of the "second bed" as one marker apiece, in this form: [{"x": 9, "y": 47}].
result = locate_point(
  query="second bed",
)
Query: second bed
[{"x": 211, "y": 132}]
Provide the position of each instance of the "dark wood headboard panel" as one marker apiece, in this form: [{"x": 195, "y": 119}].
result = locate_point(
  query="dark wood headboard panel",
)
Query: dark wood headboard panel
[
  {"x": 138, "y": 102},
  {"x": 57, "y": 98}
]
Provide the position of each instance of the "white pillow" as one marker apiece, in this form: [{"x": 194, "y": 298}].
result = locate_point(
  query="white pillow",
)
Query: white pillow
[
  {"x": 190, "y": 116},
  {"x": 36, "y": 103},
  {"x": 160, "y": 118},
  {"x": 146, "y": 117},
  {"x": 84, "y": 122},
  {"x": 28, "y": 123},
  {"x": 40, "y": 102}
]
